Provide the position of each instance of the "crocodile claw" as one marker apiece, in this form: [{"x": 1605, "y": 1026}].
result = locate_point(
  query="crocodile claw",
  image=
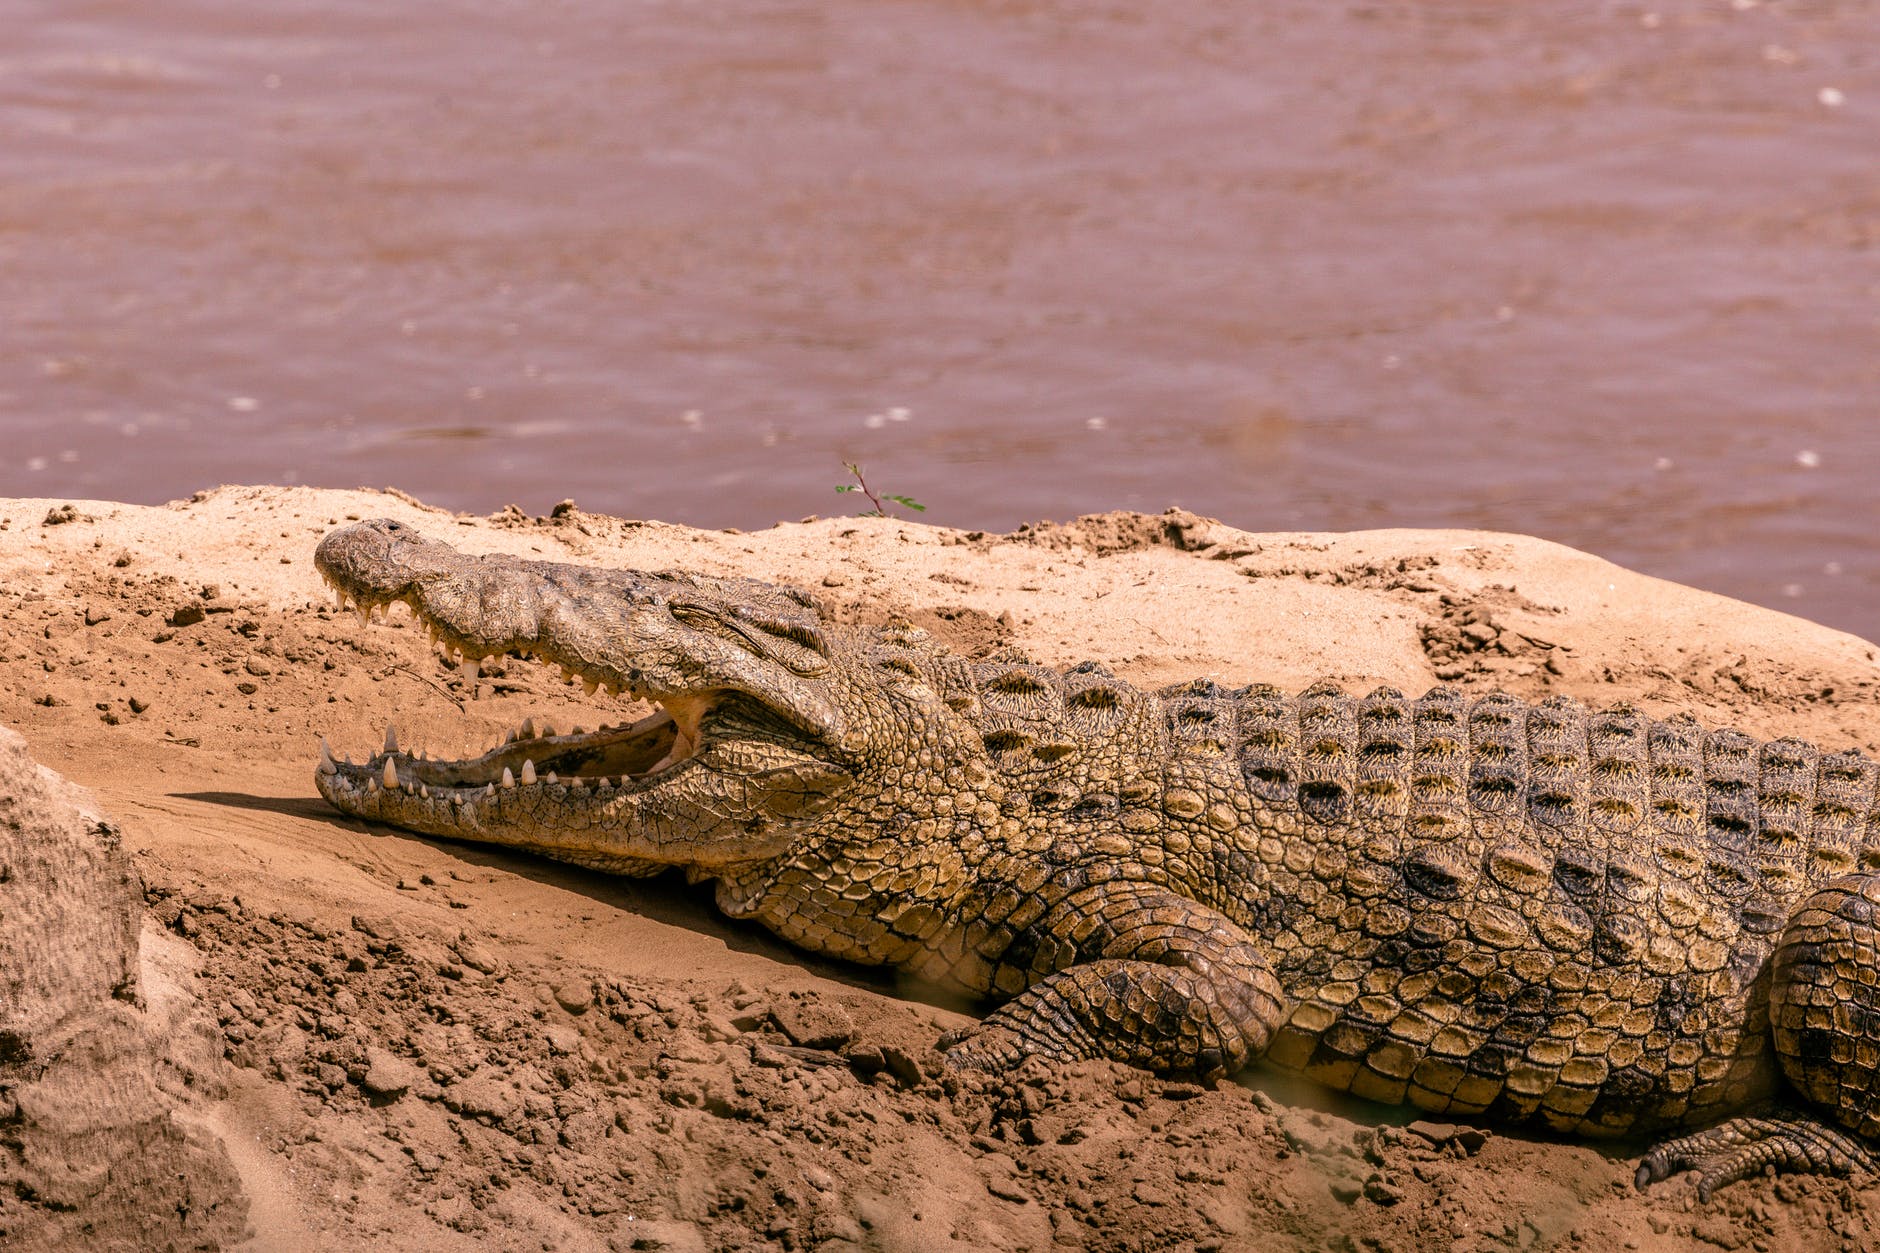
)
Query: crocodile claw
[{"x": 1777, "y": 1138}]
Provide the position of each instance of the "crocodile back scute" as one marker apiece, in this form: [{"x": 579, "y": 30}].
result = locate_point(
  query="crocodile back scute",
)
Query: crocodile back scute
[
  {"x": 1328, "y": 727},
  {"x": 1439, "y": 766},
  {"x": 1782, "y": 813},
  {"x": 1499, "y": 755},
  {"x": 1383, "y": 760},
  {"x": 1022, "y": 719},
  {"x": 1557, "y": 764},
  {"x": 1200, "y": 719},
  {"x": 1269, "y": 741},
  {"x": 1619, "y": 756},
  {"x": 1845, "y": 816}
]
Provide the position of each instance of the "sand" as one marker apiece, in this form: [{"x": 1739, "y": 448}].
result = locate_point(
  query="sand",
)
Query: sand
[{"x": 411, "y": 1043}]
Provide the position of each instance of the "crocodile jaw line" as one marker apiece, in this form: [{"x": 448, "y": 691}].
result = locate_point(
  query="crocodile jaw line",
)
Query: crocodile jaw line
[{"x": 621, "y": 758}]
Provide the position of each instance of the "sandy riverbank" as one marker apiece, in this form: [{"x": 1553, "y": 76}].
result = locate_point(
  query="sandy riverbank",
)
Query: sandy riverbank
[{"x": 434, "y": 1046}]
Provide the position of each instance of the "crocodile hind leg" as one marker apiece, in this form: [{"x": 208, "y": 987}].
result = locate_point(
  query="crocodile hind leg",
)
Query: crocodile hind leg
[
  {"x": 1824, "y": 1012},
  {"x": 1136, "y": 974}
]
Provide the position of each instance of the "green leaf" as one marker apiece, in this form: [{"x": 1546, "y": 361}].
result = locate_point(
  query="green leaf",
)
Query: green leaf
[{"x": 846, "y": 487}]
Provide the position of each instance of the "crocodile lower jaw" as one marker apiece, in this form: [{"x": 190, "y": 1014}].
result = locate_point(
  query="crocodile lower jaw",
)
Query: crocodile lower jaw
[{"x": 628, "y": 757}]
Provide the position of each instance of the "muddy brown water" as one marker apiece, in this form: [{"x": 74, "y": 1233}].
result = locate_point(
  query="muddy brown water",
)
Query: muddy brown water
[{"x": 1605, "y": 273}]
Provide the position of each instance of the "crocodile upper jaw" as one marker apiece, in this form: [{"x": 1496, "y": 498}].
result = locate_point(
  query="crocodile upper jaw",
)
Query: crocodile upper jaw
[{"x": 737, "y": 751}]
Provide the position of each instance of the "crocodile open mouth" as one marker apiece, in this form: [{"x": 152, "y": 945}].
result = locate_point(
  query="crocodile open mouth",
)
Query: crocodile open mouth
[{"x": 629, "y": 756}]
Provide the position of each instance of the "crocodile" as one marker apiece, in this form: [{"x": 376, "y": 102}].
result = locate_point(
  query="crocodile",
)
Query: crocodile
[{"x": 1592, "y": 922}]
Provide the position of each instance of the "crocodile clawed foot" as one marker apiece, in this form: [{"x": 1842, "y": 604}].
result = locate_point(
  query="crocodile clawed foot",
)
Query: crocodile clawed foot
[
  {"x": 1778, "y": 1138},
  {"x": 984, "y": 1047}
]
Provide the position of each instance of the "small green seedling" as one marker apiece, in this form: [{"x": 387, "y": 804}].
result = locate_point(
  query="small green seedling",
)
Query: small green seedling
[{"x": 880, "y": 509}]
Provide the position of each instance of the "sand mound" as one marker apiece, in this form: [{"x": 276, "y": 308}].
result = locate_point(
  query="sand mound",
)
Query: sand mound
[{"x": 91, "y": 1154}]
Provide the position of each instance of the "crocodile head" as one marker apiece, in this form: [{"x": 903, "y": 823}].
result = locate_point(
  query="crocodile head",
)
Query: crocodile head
[{"x": 744, "y": 744}]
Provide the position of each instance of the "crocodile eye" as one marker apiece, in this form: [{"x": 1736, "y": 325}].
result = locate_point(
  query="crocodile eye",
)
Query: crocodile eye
[
  {"x": 801, "y": 634},
  {"x": 695, "y": 617},
  {"x": 795, "y": 645}
]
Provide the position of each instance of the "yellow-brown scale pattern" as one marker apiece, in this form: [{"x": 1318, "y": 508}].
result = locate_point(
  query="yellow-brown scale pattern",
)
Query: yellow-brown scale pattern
[{"x": 1526, "y": 913}]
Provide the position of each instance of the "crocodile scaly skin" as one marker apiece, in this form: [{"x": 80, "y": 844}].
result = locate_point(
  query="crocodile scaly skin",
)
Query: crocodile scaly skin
[{"x": 1590, "y": 921}]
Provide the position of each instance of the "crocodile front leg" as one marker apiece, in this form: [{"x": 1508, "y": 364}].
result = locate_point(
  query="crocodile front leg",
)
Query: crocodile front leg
[{"x": 1137, "y": 974}]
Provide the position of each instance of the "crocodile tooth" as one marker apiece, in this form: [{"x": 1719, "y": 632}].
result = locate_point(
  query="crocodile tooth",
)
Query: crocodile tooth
[
  {"x": 509, "y": 780},
  {"x": 527, "y": 730},
  {"x": 391, "y": 773},
  {"x": 528, "y": 771},
  {"x": 326, "y": 758},
  {"x": 372, "y": 785},
  {"x": 590, "y": 686},
  {"x": 547, "y": 730},
  {"x": 577, "y": 730},
  {"x": 424, "y": 791},
  {"x": 365, "y": 615},
  {"x": 551, "y": 777},
  {"x": 391, "y": 738},
  {"x": 490, "y": 789}
]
